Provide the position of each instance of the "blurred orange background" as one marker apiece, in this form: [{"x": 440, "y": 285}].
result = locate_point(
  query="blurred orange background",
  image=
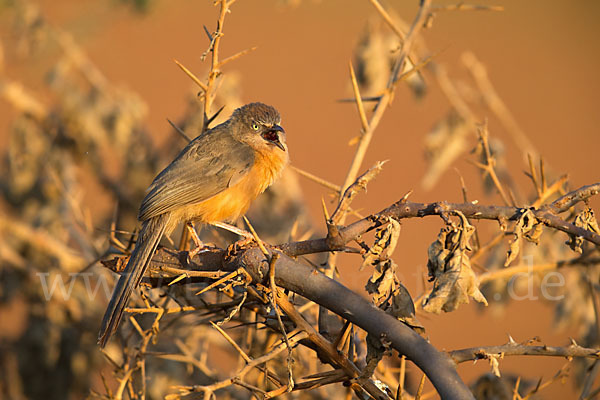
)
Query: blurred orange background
[{"x": 542, "y": 57}]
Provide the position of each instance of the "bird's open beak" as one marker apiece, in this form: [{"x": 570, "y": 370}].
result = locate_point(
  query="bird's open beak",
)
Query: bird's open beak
[{"x": 275, "y": 134}]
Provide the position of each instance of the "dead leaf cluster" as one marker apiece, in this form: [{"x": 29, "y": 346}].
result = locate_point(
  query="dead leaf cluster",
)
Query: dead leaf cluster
[{"x": 450, "y": 268}]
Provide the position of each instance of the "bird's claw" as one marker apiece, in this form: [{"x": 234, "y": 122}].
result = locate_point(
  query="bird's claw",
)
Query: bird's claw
[{"x": 240, "y": 244}]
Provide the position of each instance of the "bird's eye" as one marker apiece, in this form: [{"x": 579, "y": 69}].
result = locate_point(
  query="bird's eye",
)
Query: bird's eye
[{"x": 255, "y": 126}]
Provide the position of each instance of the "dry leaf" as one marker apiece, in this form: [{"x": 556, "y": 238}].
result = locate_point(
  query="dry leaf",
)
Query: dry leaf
[
  {"x": 495, "y": 364},
  {"x": 383, "y": 281},
  {"x": 450, "y": 268},
  {"x": 385, "y": 242},
  {"x": 586, "y": 220},
  {"x": 381, "y": 284},
  {"x": 403, "y": 309},
  {"x": 535, "y": 233},
  {"x": 575, "y": 309},
  {"x": 386, "y": 290},
  {"x": 527, "y": 227}
]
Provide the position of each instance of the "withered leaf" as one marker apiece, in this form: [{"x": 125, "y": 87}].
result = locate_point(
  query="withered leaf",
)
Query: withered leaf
[
  {"x": 586, "y": 220},
  {"x": 450, "y": 268},
  {"x": 527, "y": 227},
  {"x": 495, "y": 365},
  {"x": 535, "y": 233},
  {"x": 382, "y": 282},
  {"x": 386, "y": 239},
  {"x": 386, "y": 290},
  {"x": 403, "y": 308}
]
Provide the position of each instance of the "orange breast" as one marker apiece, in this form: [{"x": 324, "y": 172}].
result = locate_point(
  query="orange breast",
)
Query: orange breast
[{"x": 233, "y": 202}]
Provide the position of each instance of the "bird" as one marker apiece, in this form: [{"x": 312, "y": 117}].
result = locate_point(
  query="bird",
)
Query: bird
[{"x": 213, "y": 179}]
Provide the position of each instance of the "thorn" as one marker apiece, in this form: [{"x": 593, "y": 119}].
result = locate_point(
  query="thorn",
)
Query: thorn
[
  {"x": 325, "y": 212},
  {"x": 215, "y": 115},
  {"x": 179, "y": 130},
  {"x": 210, "y": 38},
  {"x": 180, "y": 277},
  {"x": 406, "y": 195},
  {"x": 256, "y": 238},
  {"x": 192, "y": 76}
]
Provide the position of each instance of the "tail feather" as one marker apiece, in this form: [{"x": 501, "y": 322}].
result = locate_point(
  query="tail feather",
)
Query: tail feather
[{"x": 147, "y": 242}]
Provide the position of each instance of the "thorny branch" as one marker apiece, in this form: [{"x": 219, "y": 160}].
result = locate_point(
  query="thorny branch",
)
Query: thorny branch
[
  {"x": 516, "y": 349},
  {"x": 369, "y": 126},
  {"x": 303, "y": 280},
  {"x": 502, "y": 214},
  {"x": 251, "y": 363}
]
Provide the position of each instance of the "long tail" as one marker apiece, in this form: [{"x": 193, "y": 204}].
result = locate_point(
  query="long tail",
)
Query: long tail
[{"x": 147, "y": 242}]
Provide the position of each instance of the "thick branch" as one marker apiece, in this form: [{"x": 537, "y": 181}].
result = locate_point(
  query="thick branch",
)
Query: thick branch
[{"x": 330, "y": 294}]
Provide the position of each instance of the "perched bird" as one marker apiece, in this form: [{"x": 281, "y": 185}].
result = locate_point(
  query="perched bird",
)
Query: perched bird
[{"x": 214, "y": 178}]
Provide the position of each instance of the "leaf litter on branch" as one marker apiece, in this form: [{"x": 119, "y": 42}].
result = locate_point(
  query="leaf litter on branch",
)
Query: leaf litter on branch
[
  {"x": 527, "y": 227},
  {"x": 586, "y": 220},
  {"x": 386, "y": 290},
  {"x": 450, "y": 268}
]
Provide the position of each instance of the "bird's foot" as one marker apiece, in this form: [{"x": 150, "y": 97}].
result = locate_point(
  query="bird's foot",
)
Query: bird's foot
[
  {"x": 194, "y": 252},
  {"x": 240, "y": 244}
]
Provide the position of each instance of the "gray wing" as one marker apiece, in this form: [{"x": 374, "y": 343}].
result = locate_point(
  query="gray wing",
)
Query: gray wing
[{"x": 208, "y": 165}]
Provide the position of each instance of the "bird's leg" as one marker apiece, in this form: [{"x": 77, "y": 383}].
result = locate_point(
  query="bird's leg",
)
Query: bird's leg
[{"x": 195, "y": 239}]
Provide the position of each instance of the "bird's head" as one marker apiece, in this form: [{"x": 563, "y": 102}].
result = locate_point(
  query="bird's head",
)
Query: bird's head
[{"x": 258, "y": 125}]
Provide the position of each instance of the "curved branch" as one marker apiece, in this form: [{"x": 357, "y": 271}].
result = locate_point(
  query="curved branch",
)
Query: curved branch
[
  {"x": 328, "y": 293},
  {"x": 315, "y": 286}
]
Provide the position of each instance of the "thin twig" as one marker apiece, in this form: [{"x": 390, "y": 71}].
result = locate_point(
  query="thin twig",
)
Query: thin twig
[
  {"x": 466, "y": 7},
  {"x": 247, "y": 368},
  {"x": 516, "y": 349},
  {"x": 231, "y": 342},
  {"x": 256, "y": 238},
  {"x": 490, "y": 162},
  {"x": 495, "y": 103}
]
